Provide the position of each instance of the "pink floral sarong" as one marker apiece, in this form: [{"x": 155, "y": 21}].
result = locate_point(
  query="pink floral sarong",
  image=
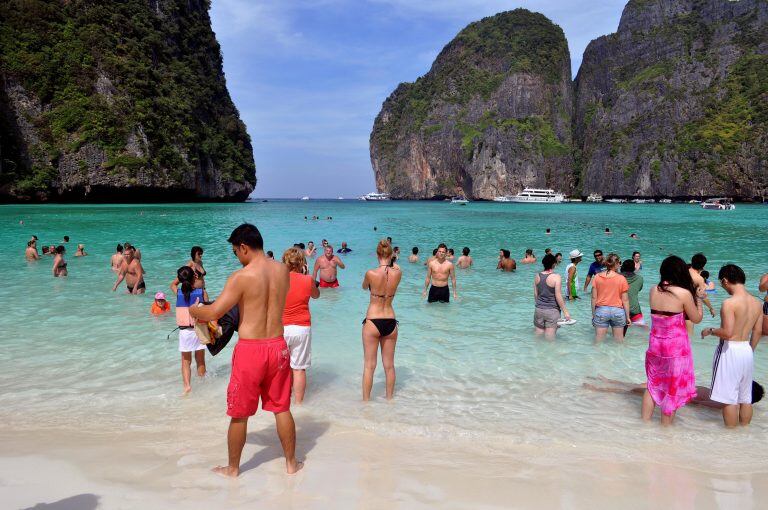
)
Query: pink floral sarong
[{"x": 669, "y": 363}]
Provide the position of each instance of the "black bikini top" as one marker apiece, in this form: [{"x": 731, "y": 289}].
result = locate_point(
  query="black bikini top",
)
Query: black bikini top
[{"x": 386, "y": 280}]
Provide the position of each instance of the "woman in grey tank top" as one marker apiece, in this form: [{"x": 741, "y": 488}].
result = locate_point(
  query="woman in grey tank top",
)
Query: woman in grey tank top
[{"x": 549, "y": 299}]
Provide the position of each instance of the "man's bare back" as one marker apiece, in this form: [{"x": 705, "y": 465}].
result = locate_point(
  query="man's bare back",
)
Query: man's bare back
[
  {"x": 464, "y": 262},
  {"x": 741, "y": 315},
  {"x": 259, "y": 290}
]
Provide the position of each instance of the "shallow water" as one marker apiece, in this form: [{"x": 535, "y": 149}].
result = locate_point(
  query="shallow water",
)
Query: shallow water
[{"x": 78, "y": 356}]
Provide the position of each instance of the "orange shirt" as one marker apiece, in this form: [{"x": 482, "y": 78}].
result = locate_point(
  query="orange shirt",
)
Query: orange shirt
[
  {"x": 609, "y": 289},
  {"x": 156, "y": 310},
  {"x": 296, "y": 311}
]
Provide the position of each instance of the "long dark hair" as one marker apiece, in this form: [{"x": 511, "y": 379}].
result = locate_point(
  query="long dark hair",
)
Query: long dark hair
[
  {"x": 186, "y": 278},
  {"x": 195, "y": 250},
  {"x": 674, "y": 273}
]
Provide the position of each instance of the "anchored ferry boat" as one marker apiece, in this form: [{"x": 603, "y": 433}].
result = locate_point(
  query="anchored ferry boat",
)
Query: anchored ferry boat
[
  {"x": 718, "y": 204},
  {"x": 533, "y": 195},
  {"x": 375, "y": 197}
]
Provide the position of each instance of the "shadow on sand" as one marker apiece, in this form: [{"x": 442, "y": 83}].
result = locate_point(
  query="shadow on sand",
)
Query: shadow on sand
[
  {"x": 307, "y": 434},
  {"x": 79, "y": 502}
]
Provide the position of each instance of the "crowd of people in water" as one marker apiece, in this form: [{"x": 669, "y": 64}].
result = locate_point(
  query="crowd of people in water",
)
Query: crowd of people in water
[{"x": 267, "y": 302}]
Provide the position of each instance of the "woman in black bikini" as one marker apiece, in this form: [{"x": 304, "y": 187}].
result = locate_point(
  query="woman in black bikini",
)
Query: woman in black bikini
[
  {"x": 380, "y": 325},
  {"x": 59, "y": 264},
  {"x": 196, "y": 263}
]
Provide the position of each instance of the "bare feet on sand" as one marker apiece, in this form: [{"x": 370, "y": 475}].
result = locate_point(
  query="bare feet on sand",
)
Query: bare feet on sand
[
  {"x": 186, "y": 391},
  {"x": 227, "y": 471},
  {"x": 293, "y": 467}
]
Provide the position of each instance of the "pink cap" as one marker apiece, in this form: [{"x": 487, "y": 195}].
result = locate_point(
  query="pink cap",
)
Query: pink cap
[{"x": 160, "y": 295}]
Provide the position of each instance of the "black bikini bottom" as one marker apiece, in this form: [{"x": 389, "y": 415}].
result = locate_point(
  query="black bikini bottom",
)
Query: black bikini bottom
[
  {"x": 385, "y": 326},
  {"x": 142, "y": 285}
]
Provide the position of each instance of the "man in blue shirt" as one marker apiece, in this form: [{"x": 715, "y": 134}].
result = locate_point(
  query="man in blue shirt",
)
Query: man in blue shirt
[
  {"x": 344, "y": 248},
  {"x": 598, "y": 266}
]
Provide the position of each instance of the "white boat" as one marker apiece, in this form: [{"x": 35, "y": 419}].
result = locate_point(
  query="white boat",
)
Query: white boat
[
  {"x": 305, "y": 198},
  {"x": 375, "y": 197},
  {"x": 665, "y": 201},
  {"x": 617, "y": 200},
  {"x": 461, "y": 200},
  {"x": 505, "y": 198},
  {"x": 339, "y": 198},
  {"x": 595, "y": 198},
  {"x": 695, "y": 202},
  {"x": 718, "y": 204},
  {"x": 573, "y": 200},
  {"x": 643, "y": 201},
  {"x": 537, "y": 196}
]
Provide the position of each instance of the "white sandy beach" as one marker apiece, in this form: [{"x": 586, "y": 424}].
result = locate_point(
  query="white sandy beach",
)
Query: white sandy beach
[{"x": 347, "y": 468}]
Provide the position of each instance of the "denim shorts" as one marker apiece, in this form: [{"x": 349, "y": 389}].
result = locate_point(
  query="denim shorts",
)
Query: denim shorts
[{"x": 609, "y": 317}]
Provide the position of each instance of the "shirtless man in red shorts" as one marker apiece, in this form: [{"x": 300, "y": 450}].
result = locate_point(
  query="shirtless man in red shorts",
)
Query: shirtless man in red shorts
[
  {"x": 327, "y": 266},
  {"x": 261, "y": 360}
]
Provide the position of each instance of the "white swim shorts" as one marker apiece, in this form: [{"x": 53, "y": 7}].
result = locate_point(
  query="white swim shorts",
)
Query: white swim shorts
[
  {"x": 732, "y": 373},
  {"x": 188, "y": 341},
  {"x": 299, "y": 340}
]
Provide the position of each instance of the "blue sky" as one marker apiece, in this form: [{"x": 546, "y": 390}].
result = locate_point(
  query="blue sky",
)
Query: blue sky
[{"x": 309, "y": 76}]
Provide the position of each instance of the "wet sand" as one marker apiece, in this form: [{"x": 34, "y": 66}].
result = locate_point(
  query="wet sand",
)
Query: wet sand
[{"x": 345, "y": 468}]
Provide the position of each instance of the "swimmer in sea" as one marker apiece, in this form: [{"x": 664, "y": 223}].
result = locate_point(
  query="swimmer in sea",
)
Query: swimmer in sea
[
  {"x": 702, "y": 397},
  {"x": 637, "y": 260},
  {"x": 117, "y": 258},
  {"x": 196, "y": 264},
  {"x": 696, "y": 266},
  {"x": 710, "y": 285},
  {"x": 80, "y": 252},
  {"x": 607, "y": 231},
  {"x": 451, "y": 254},
  {"x": 59, "y": 264},
  {"x": 328, "y": 266},
  {"x": 558, "y": 258},
  {"x": 548, "y": 232},
  {"x": 344, "y": 248},
  {"x": 310, "y": 251},
  {"x": 439, "y": 271},
  {"x": 413, "y": 258},
  {"x": 31, "y": 252},
  {"x": 506, "y": 263},
  {"x": 633, "y": 235},
  {"x": 66, "y": 239},
  {"x": 529, "y": 258},
  {"x": 465, "y": 261},
  {"x": 131, "y": 271}
]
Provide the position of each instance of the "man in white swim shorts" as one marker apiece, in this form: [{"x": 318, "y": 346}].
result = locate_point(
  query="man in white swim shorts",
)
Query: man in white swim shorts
[{"x": 739, "y": 332}]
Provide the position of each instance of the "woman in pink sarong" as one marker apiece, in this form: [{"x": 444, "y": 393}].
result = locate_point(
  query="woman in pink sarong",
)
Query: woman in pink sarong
[{"x": 668, "y": 360}]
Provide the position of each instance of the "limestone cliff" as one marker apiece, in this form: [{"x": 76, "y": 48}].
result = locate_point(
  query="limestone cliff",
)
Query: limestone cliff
[
  {"x": 675, "y": 103},
  {"x": 493, "y": 115},
  {"x": 117, "y": 101}
]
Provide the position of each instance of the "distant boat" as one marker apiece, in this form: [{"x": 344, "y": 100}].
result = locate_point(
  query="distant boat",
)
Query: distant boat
[
  {"x": 595, "y": 198},
  {"x": 461, "y": 200},
  {"x": 573, "y": 200},
  {"x": 617, "y": 200},
  {"x": 305, "y": 198},
  {"x": 340, "y": 198},
  {"x": 718, "y": 204},
  {"x": 375, "y": 197},
  {"x": 643, "y": 201},
  {"x": 534, "y": 196},
  {"x": 665, "y": 201}
]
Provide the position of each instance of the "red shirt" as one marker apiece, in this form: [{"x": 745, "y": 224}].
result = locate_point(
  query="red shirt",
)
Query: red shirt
[{"x": 297, "y": 301}]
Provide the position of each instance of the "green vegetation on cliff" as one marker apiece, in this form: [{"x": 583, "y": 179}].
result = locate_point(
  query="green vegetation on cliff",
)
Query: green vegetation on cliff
[
  {"x": 474, "y": 65},
  {"x": 107, "y": 73}
]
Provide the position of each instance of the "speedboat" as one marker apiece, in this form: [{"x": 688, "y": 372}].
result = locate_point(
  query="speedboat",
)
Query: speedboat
[
  {"x": 594, "y": 197},
  {"x": 505, "y": 198},
  {"x": 538, "y": 196},
  {"x": 643, "y": 201},
  {"x": 305, "y": 198},
  {"x": 665, "y": 201},
  {"x": 617, "y": 200},
  {"x": 461, "y": 200},
  {"x": 718, "y": 204},
  {"x": 375, "y": 197}
]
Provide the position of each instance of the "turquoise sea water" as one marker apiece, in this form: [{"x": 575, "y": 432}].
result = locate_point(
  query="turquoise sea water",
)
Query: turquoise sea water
[{"x": 77, "y": 356}]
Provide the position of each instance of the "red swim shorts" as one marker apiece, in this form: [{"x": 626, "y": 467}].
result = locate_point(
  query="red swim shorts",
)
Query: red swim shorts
[
  {"x": 329, "y": 285},
  {"x": 260, "y": 369}
]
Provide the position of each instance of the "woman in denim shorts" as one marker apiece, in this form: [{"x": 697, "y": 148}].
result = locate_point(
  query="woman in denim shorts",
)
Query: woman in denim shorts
[{"x": 610, "y": 301}]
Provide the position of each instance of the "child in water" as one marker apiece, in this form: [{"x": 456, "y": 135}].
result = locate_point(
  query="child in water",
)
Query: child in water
[
  {"x": 160, "y": 305},
  {"x": 711, "y": 288},
  {"x": 187, "y": 296}
]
